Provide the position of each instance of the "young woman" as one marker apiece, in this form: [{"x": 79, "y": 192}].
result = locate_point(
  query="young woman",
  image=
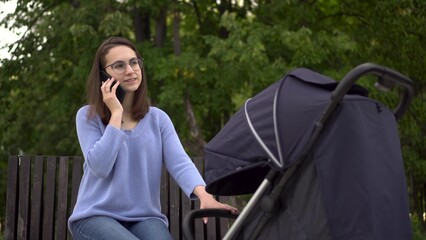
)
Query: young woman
[{"x": 125, "y": 144}]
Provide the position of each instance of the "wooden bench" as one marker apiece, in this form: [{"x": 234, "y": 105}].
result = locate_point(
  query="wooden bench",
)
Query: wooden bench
[{"x": 42, "y": 191}]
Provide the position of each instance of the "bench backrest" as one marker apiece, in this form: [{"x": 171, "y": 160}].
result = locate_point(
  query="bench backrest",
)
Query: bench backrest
[{"x": 42, "y": 190}]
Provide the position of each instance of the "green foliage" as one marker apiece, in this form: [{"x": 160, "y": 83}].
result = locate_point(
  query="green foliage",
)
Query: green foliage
[
  {"x": 229, "y": 52},
  {"x": 418, "y": 230}
]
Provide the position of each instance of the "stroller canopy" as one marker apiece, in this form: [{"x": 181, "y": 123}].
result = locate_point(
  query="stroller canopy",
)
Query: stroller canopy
[{"x": 271, "y": 129}]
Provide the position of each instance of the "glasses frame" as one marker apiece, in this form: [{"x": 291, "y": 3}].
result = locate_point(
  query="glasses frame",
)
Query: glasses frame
[{"x": 140, "y": 63}]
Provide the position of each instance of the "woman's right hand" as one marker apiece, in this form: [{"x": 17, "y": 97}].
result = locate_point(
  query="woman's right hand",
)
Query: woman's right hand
[{"x": 110, "y": 99}]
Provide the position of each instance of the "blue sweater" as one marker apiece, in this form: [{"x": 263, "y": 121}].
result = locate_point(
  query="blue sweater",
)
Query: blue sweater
[{"x": 122, "y": 168}]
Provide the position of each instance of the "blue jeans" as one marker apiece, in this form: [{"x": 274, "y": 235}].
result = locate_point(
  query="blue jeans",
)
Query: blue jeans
[{"x": 101, "y": 227}]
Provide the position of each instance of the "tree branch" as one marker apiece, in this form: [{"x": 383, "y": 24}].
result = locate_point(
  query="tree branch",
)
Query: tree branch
[
  {"x": 197, "y": 13},
  {"x": 19, "y": 42}
]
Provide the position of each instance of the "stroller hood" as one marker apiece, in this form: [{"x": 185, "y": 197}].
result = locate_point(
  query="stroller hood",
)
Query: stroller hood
[{"x": 270, "y": 130}]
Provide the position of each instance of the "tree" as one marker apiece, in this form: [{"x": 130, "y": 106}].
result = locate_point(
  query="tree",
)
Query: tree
[{"x": 203, "y": 59}]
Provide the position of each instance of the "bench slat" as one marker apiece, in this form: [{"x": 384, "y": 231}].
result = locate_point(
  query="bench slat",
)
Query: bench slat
[
  {"x": 199, "y": 225},
  {"x": 24, "y": 197},
  {"x": 36, "y": 196},
  {"x": 224, "y": 222},
  {"x": 174, "y": 209},
  {"x": 77, "y": 173},
  {"x": 186, "y": 206},
  {"x": 12, "y": 197},
  {"x": 211, "y": 229},
  {"x": 164, "y": 194},
  {"x": 49, "y": 199},
  {"x": 62, "y": 200}
]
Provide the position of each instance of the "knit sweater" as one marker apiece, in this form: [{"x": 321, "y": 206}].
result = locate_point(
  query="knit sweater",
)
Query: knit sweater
[{"x": 122, "y": 168}]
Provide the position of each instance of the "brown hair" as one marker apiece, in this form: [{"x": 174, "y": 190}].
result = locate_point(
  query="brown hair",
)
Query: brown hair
[{"x": 94, "y": 96}]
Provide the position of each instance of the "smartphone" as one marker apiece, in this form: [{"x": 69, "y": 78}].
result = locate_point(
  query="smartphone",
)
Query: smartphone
[{"x": 120, "y": 92}]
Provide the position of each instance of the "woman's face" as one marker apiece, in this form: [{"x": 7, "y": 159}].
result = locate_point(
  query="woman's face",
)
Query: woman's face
[{"x": 123, "y": 65}]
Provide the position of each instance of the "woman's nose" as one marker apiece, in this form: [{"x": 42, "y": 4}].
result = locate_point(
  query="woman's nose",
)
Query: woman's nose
[{"x": 129, "y": 69}]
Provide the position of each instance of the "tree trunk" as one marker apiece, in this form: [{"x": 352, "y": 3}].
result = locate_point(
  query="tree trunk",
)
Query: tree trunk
[
  {"x": 196, "y": 145},
  {"x": 198, "y": 139},
  {"x": 222, "y": 7},
  {"x": 161, "y": 28},
  {"x": 176, "y": 35},
  {"x": 75, "y": 3},
  {"x": 141, "y": 23}
]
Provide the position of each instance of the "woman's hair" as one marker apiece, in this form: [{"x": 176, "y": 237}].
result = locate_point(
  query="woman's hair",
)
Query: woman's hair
[{"x": 94, "y": 96}]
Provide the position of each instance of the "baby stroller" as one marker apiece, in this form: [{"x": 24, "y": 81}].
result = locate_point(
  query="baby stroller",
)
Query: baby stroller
[{"x": 322, "y": 160}]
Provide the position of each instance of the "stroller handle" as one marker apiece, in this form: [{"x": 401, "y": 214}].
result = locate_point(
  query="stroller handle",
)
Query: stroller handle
[
  {"x": 386, "y": 75},
  {"x": 188, "y": 220}
]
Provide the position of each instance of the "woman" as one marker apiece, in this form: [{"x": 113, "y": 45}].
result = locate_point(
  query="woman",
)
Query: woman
[{"x": 124, "y": 146}]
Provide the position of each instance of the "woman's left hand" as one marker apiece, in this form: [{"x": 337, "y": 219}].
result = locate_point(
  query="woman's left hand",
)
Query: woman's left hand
[{"x": 208, "y": 201}]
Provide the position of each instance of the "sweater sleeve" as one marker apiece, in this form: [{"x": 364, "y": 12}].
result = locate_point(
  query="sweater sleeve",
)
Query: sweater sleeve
[
  {"x": 177, "y": 160},
  {"x": 99, "y": 145}
]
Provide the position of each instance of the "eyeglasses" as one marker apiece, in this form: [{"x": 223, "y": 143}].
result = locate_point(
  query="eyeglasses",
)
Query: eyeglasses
[{"x": 119, "y": 67}]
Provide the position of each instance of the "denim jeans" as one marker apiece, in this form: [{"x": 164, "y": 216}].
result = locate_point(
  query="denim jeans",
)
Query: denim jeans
[{"x": 102, "y": 227}]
